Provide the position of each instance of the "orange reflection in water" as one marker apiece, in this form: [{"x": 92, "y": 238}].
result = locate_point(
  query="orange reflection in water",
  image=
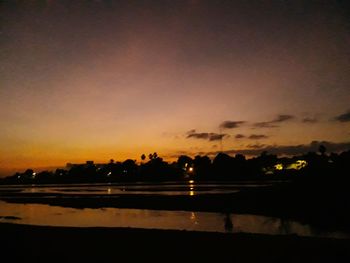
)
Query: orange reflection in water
[
  {"x": 191, "y": 186},
  {"x": 38, "y": 214}
]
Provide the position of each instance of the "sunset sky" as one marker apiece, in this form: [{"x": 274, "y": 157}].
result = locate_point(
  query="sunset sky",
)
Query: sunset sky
[{"x": 95, "y": 80}]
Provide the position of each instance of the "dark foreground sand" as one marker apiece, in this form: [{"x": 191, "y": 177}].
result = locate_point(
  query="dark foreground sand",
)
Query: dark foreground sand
[{"x": 24, "y": 243}]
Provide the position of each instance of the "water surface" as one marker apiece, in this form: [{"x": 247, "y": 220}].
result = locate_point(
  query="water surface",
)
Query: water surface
[
  {"x": 45, "y": 215},
  {"x": 169, "y": 188}
]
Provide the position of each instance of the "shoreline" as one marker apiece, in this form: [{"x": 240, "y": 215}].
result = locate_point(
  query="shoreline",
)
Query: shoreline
[
  {"x": 264, "y": 202},
  {"x": 321, "y": 206}
]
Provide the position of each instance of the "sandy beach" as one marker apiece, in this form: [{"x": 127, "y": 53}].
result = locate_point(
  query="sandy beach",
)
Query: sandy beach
[{"x": 62, "y": 244}]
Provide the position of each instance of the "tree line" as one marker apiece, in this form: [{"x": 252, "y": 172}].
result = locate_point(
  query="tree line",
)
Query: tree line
[{"x": 223, "y": 167}]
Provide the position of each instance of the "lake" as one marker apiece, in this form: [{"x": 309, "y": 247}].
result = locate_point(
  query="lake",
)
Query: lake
[
  {"x": 189, "y": 187},
  {"x": 43, "y": 214}
]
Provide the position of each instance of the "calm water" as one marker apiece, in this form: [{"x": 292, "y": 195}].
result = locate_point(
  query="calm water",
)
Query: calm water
[
  {"x": 40, "y": 214},
  {"x": 171, "y": 188},
  {"x": 37, "y": 214}
]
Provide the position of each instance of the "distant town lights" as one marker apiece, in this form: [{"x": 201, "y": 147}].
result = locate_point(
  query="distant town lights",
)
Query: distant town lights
[{"x": 279, "y": 166}]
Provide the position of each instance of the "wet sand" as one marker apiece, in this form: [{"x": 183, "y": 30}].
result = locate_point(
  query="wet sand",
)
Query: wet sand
[{"x": 67, "y": 244}]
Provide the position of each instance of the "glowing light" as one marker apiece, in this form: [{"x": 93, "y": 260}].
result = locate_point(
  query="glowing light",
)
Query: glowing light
[
  {"x": 193, "y": 216},
  {"x": 191, "y": 193},
  {"x": 191, "y": 181},
  {"x": 109, "y": 174},
  {"x": 279, "y": 166},
  {"x": 299, "y": 164},
  {"x": 190, "y": 169},
  {"x": 109, "y": 190}
]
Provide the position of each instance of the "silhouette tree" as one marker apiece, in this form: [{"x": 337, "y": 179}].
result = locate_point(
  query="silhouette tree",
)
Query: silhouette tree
[
  {"x": 222, "y": 165},
  {"x": 129, "y": 167},
  {"x": 143, "y": 157},
  {"x": 202, "y": 166},
  {"x": 28, "y": 173},
  {"x": 322, "y": 149},
  {"x": 153, "y": 156},
  {"x": 184, "y": 161}
]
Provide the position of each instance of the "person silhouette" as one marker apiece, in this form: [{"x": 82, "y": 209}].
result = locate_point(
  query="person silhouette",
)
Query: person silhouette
[{"x": 228, "y": 223}]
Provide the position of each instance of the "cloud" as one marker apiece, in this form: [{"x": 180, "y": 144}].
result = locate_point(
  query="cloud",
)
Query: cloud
[
  {"x": 273, "y": 123},
  {"x": 255, "y": 146},
  {"x": 203, "y": 135},
  {"x": 265, "y": 125},
  {"x": 258, "y": 136},
  {"x": 231, "y": 124},
  {"x": 345, "y": 117},
  {"x": 216, "y": 137},
  {"x": 254, "y": 150},
  {"x": 309, "y": 120},
  {"x": 282, "y": 118},
  {"x": 191, "y": 131},
  {"x": 210, "y": 136},
  {"x": 239, "y": 136},
  {"x": 177, "y": 154}
]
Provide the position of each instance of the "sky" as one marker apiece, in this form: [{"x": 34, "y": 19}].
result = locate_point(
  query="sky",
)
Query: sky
[{"x": 95, "y": 80}]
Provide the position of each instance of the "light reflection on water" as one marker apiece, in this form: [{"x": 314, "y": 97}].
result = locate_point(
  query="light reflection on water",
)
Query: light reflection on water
[
  {"x": 38, "y": 214},
  {"x": 173, "y": 188}
]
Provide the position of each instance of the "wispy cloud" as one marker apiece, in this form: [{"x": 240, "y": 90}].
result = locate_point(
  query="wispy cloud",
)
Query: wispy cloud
[
  {"x": 254, "y": 150},
  {"x": 210, "y": 136},
  {"x": 255, "y": 146},
  {"x": 265, "y": 125},
  {"x": 216, "y": 136},
  {"x": 231, "y": 124},
  {"x": 258, "y": 136},
  {"x": 282, "y": 118},
  {"x": 274, "y": 123},
  {"x": 257, "y": 149},
  {"x": 309, "y": 120},
  {"x": 345, "y": 117}
]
